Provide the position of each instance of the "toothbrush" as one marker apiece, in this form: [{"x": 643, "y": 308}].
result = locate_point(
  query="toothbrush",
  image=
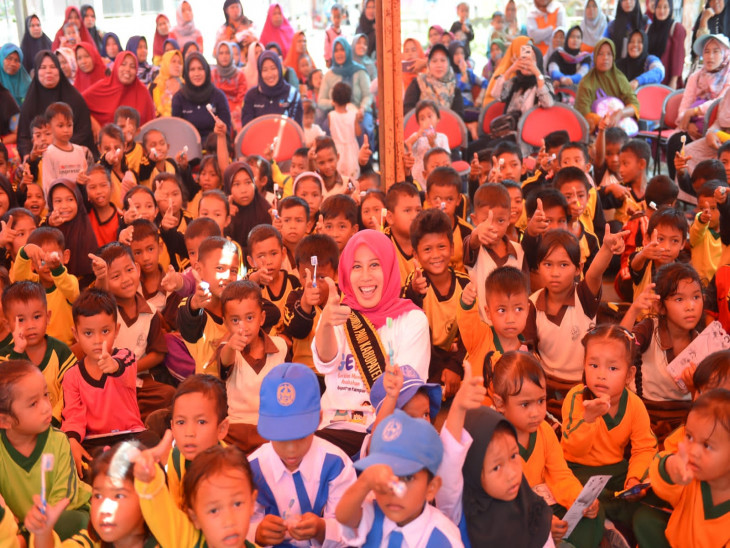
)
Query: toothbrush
[
  {"x": 153, "y": 152},
  {"x": 383, "y": 213},
  {"x": 314, "y": 260},
  {"x": 47, "y": 460},
  {"x": 185, "y": 149},
  {"x": 391, "y": 351},
  {"x": 398, "y": 487},
  {"x": 210, "y": 109},
  {"x": 277, "y": 140},
  {"x": 125, "y": 455},
  {"x": 443, "y": 206},
  {"x": 276, "y": 197},
  {"x": 683, "y": 138}
]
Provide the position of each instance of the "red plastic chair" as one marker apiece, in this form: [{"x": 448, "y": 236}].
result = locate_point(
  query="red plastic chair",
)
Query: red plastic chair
[
  {"x": 651, "y": 98},
  {"x": 451, "y": 125},
  {"x": 488, "y": 113},
  {"x": 259, "y": 134},
  {"x": 667, "y": 125},
  {"x": 538, "y": 122}
]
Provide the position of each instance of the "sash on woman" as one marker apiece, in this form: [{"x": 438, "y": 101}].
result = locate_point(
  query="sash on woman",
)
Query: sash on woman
[{"x": 366, "y": 346}]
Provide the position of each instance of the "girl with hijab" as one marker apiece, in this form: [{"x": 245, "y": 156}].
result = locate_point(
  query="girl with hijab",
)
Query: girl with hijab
[
  {"x": 230, "y": 80},
  {"x": 497, "y": 503},
  {"x": 91, "y": 67},
  {"x": 607, "y": 77},
  {"x": 523, "y": 85},
  {"x": 639, "y": 67},
  {"x": 437, "y": 83},
  {"x": 198, "y": 91},
  {"x": 711, "y": 81},
  {"x": 72, "y": 15},
  {"x": 34, "y": 41},
  {"x": 369, "y": 279},
  {"x": 185, "y": 30},
  {"x": 138, "y": 46},
  {"x": 494, "y": 56},
  {"x": 251, "y": 70},
  {"x": 112, "y": 47},
  {"x": 465, "y": 79},
  {"x": 277, "y": 29},
  {"x": 88, "y": 17},
  {"x": 13, "y": 76},
  {"x": 512, "y": 27},
  {"x": 366, "y": 24},
  {"x": 162, "y": 33},
  {"x": 121, "y": 87},
  {"x": 167, "y": 82},
  {"x": 50, "y": 87},
  {"x": 359, "y": 55},
  {"x": 593, "y": 26},
  {"x": 714, "y": 19},
  {"x": 272, "y": 94},
  {"x": 666, "y": 41},
  {"x": 414, "y": 60},
  {"x": 628, "y": 18},
  {"x": 568, "y": 64},
  {"x": 76, "y": 229},
  {"x": 252, "y": 208},
  {"x": 67, "y": 58},
  {"x": 297, "y": 50}
]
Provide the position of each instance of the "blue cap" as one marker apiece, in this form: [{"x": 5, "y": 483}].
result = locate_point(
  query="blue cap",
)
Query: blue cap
[
  {"x": 405, "y": 444},
  {"x": 289, "y": 405},
  {"x": 412, "y": 383}
]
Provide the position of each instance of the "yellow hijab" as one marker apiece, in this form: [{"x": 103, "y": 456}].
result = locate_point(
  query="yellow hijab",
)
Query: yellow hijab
[
  {"x": 512, "y": 53},
  {"x": 163, "y": 105}
]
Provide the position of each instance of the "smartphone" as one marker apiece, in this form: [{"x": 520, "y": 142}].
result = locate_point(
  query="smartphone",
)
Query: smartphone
[{"x": 525, "y": 52}]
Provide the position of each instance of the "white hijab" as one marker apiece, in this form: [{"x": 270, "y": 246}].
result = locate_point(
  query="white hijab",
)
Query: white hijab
[{"x": 593, "y": 29}]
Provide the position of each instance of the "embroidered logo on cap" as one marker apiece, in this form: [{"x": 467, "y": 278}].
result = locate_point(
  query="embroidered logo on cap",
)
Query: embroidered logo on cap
[
  {"x": 392, "y": 430},
  {"x": 286, "y": 394}
]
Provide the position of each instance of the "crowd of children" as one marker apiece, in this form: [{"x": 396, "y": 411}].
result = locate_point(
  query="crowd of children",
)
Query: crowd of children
[{"x": 229, "y": 351}]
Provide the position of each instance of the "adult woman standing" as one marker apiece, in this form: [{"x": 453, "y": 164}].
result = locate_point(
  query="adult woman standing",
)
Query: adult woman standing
[
  {"x": 88, "y": 17},
  {"x": 121, "y": 87},
  {"x": 49, "y": 85},
  {"x": 366, "y": 24},
  {"x": 72, "y": 15},
  {"x": 512, "y": 27},
  {"x": 13, "y": 75},
  {"x": 438, "y": 83},
  {"x": 607, "y": 77},
  {"x": 277, "y": 29},
  {"x": 628, "y": 18},
  {"x": 666, "y": 41},
  {"x": 34, "y": 41},
  {"x": 272, "y": 94},
  {"x": 593, "y": 26},
  {"x": 185, "y": 30},
  {"x": 344, "y": 69},
  {"x": 196, "y": 93}
]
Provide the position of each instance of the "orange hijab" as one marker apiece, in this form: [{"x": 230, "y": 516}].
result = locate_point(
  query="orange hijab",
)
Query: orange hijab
[
  {"x": 409, "y": 76},
  {"x": 512, "y": 53}
]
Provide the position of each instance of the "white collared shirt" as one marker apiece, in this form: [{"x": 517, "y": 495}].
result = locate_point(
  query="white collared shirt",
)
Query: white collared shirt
[
  {"x": 416, "y": 534},
  {"x": 281, "y": 483}
]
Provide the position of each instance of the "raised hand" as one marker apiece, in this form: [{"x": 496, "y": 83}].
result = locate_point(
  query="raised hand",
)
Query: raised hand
[
  {"x": 419, "y": 281},
  {"x": 469, "y": 294},
  {"x": 98, "y": 265},
  {"x": 238, "y": 341},
  {"x": 615, "y": 242},
  {"x": 169, "y": 221},
  {"x": 472, "y": 392},
  {"x": 334, "y": 313},
  {"x": 538, "y": 223},
  {"x": 7, "y": 232},
  {"x": 475, "y": 168},
  {"x": 651, "y": 251},
  {"x": 55, "y": 218},
  {"x": 40, "y": 521},
  {"x": 311, "y": 294},
  {"x": 129, "y": 181},
  {"x": 364, "y": 155},
  {"x": 202, "y": 295},
  {"x": 677, "y": 466},
  {"x": 19, "y": 340},
  {"x": 145, "y": 464},
  {"x": 126, "y": 235},
  {"x": 171, "y": 281},
  {"x": 593, "y": 409},
  {"x": 106, "y": 363},
  {"x": 485, "y": 232}
]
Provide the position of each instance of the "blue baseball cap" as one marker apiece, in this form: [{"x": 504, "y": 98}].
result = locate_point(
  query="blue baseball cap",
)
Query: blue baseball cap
[
  {"x": 405, "y": 444},
  {"x": 412, "y": 383},
  {"x": 289, "y": 405}
]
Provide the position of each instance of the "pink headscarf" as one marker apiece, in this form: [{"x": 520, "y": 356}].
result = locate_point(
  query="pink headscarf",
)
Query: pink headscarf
[
  {"x": 390, "y": 305},
  {"x": 710, "y": 84},
  {"x": 282, "y": 35}
]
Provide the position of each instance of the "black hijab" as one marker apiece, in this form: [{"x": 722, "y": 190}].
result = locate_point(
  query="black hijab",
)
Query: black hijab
[
  {"x": 39, "y": 98},
  {"x": 523, "y": 82},
  {"x": 282, "y": 86},
  {"x": 31, "y": 46},
  {"x": 524, "y": 521},
  {"x": 568, "y": 58},
  {"x": 658, "y": 32},
  {"x": 367, "y": 27},
  {"x": 93, "y": 31},
  {"x": 197, "y": 94},
  {"x": 717, "y": 24},
  {"x": 623, "y": 25},
  {"x": 78, "y": 232},
  {"x": 247, "y": 217},
  {"x": 634, "y": 67}
]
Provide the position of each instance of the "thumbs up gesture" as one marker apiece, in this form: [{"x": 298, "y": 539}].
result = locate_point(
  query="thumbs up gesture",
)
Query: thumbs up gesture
[
  {"x": 472, "y": 392},
  {"x": 129, "y": 181},
  {"x": 650, "y": 251},
  {"x": 19, "y": 340},
  {"x": 419, "y": 281},
  {"x": 334, "y": 312},
  {"x": 677, "y": 466},
  {"x": 408, "y": 159},
  {"x": 202, "y": 295},
  {"x": 107, "y": 364},
  {"x": 98, "y": 265},
  {"x": 171, "y": 281},
  {"x": 475, "y": 168},
  {"x": 364, "y": 155},
  {"x": 7, "y": 233},
  {"x": 238, "y": 341},
  {"x": 169, "y": 220},
  {"x": 147, "y": 461},
  {"x": 538, "y": 223},
  {"x": 486, "y": 232},
  {"x": 319, "y": 229}
]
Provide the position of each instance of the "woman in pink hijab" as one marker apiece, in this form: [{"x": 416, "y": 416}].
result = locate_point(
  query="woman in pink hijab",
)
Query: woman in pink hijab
[
  {"x": 277, "y": 29},
  {"x": 185, "y": 30}
]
